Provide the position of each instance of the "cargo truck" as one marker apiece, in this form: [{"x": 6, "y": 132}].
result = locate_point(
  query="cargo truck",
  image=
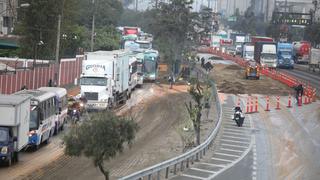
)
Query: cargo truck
[
  {"x": 247, "y": 52},
  {"x": 14, "y": 126},
  {"x": 314, "y": 60},
  {"x": 265, "y": 53},
  {"x": 284, "y": 54},
  {"x": 105, "y": 79}
]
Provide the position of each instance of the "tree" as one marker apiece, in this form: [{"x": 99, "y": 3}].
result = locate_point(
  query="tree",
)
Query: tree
[
  {"x": 100, "y": 138},
  {"x": 194, "y": 110},
  {"x": 107, "y": 38},
  {"x": 174, "y": 30},
  {"x": 39, "y": 23}
]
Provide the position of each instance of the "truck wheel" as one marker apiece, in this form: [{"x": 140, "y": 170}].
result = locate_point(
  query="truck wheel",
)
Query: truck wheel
[
  {"x": 16, "y": 157},
  {"x": 9, "y": 162}
]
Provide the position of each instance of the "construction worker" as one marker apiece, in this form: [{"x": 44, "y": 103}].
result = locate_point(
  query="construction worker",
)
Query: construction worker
[{"x": 299, "y": 91}]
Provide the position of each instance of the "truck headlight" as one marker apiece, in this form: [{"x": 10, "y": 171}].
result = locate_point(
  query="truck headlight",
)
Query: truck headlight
[
  {"x": 281, "y": 61},
  {"x": 4, "y": 150},
  {"x": 291, "y": 61}
]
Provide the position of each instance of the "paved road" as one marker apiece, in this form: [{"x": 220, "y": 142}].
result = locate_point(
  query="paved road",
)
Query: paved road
[
  {"x": 233, "y": 143},
  {"x": 303, "y": 74}
]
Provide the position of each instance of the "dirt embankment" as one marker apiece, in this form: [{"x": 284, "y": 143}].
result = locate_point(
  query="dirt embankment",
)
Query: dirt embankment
[
  {"x": 230, "y": 79},
  {"x": 159, "y": 111}
]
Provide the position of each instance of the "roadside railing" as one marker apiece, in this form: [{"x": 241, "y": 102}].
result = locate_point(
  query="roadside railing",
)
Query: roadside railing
[{"x": 179, "y": 163}]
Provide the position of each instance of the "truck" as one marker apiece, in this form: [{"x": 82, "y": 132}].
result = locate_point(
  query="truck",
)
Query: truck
[
  {"x": 14, "y": 126},
  {"x": 104, "y": 81},
  {"x": 284, "y": 54},
  {"x": 301, "y": 52},
  {"x": 247, "y": 51},
  {"x": 131, "y": 30},
  {"x": 255, "y": 39},
  {"x": 265, "y": 53},
  {"x": 314, "y": 60}
]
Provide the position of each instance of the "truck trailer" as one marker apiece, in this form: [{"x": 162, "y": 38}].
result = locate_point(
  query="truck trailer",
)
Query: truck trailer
[
  {"x": 14, "y": 126},
  {"x": 301, "y": 52},
  {"x": 247, "y": 51},
  {"x": 105, "y": 79},
  {"x": 265, "y": 53},
  {"x": 314, "y": 60}
]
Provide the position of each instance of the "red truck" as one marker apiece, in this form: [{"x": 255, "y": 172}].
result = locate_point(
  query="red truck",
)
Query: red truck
[
  {"x": 131, "y": 30},
  {"x": 301, "y": 52},
  {"x": 255, "y": 39}
]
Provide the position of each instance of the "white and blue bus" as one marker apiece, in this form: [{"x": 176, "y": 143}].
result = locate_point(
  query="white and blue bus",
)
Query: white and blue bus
[
  {"x": 61, "y": 105},
  {"x": 43, "y": 110}
]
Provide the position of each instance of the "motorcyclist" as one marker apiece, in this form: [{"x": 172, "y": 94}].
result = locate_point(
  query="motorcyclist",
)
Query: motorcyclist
[
  {"x": 74, "y": 105},
  {"x": 238, "y": 116}
]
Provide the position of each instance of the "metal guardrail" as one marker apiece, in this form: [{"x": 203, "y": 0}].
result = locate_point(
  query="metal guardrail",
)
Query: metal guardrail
[{"x": 185, "y": 159}]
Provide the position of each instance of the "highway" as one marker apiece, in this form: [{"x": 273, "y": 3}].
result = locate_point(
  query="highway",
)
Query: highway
[{"x": 301, "y": 72}]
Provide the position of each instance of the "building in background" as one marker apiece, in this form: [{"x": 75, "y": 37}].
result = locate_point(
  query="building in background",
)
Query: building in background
[{"x": 8, "y": 13}]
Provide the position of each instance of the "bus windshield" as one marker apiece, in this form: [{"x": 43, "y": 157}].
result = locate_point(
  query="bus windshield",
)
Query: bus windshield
[
  {"x": 144, "y": 45},
  {"x": 95, "y": 81},
  {"x": 150, "y": 66},
  {"x": 34, "y": 118}
]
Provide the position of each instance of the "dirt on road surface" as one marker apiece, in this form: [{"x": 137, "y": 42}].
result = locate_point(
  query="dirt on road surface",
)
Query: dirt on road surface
[
  {"x": 230, "y": 79},
  {"x": 158, "y": 114}
]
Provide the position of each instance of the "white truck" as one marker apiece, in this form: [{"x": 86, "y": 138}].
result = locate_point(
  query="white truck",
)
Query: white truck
[
  {"x": 248, "y": 52},
  {"x": 14, "y": 126},
  {"x": 314, "y": 62},
  {"x": 105, "y": 79}
]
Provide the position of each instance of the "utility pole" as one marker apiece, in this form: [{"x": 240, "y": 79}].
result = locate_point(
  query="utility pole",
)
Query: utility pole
[
  {"x": 57, "y": 63},
  {"x": 92, "y": 28}
]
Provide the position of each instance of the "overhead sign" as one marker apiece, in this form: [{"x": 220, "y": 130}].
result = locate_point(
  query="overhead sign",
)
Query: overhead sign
[{"x": 292, "y": 18}]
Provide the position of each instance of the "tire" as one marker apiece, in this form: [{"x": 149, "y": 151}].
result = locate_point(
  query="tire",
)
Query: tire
[
  {"x": 48, "y": 140},
  {"x": 16, "y": 157},
  {"x": 9, "y": 162}
]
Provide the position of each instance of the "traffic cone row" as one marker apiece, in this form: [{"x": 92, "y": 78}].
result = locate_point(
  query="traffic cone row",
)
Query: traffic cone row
[{"x": 252, "y": 103}]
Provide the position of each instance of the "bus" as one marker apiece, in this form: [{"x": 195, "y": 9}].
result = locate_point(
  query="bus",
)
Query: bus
[
  {"x": 150, "y": 65},
  {"x": 42, "y": 116},
  {"x": 61, "y": 105}
]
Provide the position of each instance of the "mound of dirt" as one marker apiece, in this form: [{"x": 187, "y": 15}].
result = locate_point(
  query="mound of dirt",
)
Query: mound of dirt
[{"x": 230, "y": 79}]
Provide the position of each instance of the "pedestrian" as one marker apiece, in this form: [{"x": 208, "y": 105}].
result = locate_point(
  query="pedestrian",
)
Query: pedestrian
[
  {"x": 170, "y": 80},
  {"x": 299, "y": 92}
]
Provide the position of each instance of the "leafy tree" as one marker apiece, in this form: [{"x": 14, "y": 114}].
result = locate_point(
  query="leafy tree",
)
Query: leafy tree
[
  {"x": 194, "y": 110},
  {"x": 39, "y": 23},
  {"x": 173, "y": 27},
  {"x": 312, "y": 34},
  {"x": 107, "y": 38},
  {"x": 100, "y": 138}
]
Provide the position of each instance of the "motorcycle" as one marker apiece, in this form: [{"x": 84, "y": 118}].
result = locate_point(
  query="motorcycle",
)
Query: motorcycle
[
  {"x": 238, "y": 116},
  {"x": 74, "y": 115}
]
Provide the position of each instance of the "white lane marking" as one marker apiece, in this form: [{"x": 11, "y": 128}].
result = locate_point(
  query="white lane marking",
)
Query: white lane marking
[
  {"x": 235, "y": 137},
  {"x": 232, "y": 145},
  {"x": 234, "y": 133},
  {"x": 233, "y": 150},
  {"x": 190, "y": 176},
  {"x": 236, "y": 129},
  {"x": 234, "y": 124},
  {"x": 210, "y": 164},
  {"x": 219, "y": 159},
  {"x": 242, "y": 142},
  {"x": 203, "y": 170},
  {"x": 224, "y": 154}
]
